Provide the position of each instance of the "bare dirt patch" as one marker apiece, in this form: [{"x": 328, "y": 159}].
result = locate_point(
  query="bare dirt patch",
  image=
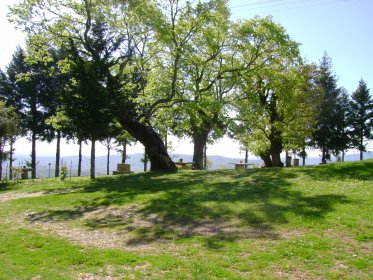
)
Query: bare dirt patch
[
  {"x": 127, "y": 228},
  {"x": 11, "y": 195}
]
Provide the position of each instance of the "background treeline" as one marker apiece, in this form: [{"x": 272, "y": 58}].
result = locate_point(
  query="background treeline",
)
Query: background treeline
[{"x": 125, "y": 71}]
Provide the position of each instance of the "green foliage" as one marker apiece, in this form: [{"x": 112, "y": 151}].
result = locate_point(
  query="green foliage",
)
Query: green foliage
[
  {"x": 325, "y": 136},
  {"x": 361, "y": 117},
  {"x": 276, "y": 101},
  {"x": 64, "y": 172}
]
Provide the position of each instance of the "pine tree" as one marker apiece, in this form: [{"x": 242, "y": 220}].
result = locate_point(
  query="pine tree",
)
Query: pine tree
[
  {"x": 325, "y": 137},
  {"x": 343, "y": 131},
  {"x": 361, "y": 117}
]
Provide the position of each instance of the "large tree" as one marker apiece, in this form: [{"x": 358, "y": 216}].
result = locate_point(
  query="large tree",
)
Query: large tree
[
  {"x": 361, "y": 117},
  {"x": 325, "y": 136},
  {"x": 32, "y": 94},
  {"x": 112, "y": 38},
  {"x": 343, "y": 125},
  {"x": 273, "y": 103},
  {"x": 202, "y": 66}
]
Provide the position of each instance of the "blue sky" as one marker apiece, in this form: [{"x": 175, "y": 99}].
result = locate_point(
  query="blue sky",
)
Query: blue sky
[{"x": 342, "y": 28}]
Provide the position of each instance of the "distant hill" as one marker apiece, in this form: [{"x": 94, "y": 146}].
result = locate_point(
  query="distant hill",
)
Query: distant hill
[{"x": 215, "y": 162}]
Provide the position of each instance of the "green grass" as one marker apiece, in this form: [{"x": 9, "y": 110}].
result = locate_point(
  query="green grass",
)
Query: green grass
[{"x": 309, "y": 223}]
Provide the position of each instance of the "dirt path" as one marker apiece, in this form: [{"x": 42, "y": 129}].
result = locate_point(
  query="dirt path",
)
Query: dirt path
[{"x": 11, "y": 195}]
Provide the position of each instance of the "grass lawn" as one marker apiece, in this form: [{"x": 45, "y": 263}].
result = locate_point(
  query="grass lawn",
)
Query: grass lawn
[{"x": 289, "y": 223}]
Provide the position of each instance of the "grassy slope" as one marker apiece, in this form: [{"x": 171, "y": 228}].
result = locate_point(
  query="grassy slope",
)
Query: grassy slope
[{"x": 313, "y": 222}]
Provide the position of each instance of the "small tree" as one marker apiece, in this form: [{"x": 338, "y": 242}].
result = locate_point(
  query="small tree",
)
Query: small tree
[
  {"x": 361, "y": 117},
  {"x": 8, "y": 129}
]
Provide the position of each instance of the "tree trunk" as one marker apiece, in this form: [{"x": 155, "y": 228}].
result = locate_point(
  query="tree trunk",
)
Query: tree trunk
[
  {"x": 33, "y": 155},
  {"x": 361, "y": 148},
  {"x": 199, "y": 141},
  {"x": 58, "y": 155},
  {"x": 266, "y": 159},
  {"x": 145, "y": 161},
  {"x": 304, "y": 156},
  {"x": 165, "y": 142},
  {"x": 93, "y": 159},
  {"x": 246, "y": 157},
  {"x": 80, "y": 158},
  {"x": 124, "y": 152},
  {"x": 1, "y": 160},
  {"x": 205, "y": 157},
  {"x": 276, "y": 149},
  {"x": 343, "y": 156},
  {"x": 11, "y": 159},
  {"x": 155, "y": 148},
  {"x": 108, "y": 162},
  {"x": 323, "y": 158}
]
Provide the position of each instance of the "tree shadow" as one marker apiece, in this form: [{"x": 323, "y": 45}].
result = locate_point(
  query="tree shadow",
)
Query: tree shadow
[
  {"x": 7, "y": 186},
  {"x": 237, "y": 205},
  {"x": 362, "y": 171}
]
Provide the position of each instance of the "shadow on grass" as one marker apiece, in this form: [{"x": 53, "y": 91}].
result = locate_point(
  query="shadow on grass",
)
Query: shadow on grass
[
  {"x": 222, "y": 205},
  {"x": 7, "y": 186},
  {"x": 362, "y": 171}
]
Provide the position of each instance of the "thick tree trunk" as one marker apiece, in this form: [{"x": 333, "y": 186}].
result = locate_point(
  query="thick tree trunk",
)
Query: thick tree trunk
[
  {"x": 80, "y": 158},
  {"x": 166, "y": 142},
  {"x": 199, "y": 141},
  {"x": 155, "y": 148},
  {"x": 205, "y": 157},
  {"x": 33, "y": 156},
  {"x": 93, "y": 159},
  {"x": 58, "y": 155},
  {"x": 108, "y": 162},
  {"x": 276, "y": 149},
  {"x": 266, "y": 159}
]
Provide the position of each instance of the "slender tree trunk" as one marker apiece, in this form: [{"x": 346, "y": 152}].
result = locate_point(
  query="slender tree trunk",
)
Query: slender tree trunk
[
  {"x": 246, "y": 157},
  {"x": 199, "y": 141},
  {"x": 343, "y": 156},
  {"x": 33, "y": 155},
  {"x": 304, "y": 156},
  {"x": 108, "y": 162},
  {"x": 323, "y": 158},
  {"x": 361, "y": 144},
  {"x": 11, "y": 159},
  {"x": 93, "y": 159},
  {"x": 124, "y": 152},
  {"x": 80, "y": 158},
  {"x": 145, "y": 161},
  {"x": 1, "y": 160},
  {"x": 58, "y": 155}
]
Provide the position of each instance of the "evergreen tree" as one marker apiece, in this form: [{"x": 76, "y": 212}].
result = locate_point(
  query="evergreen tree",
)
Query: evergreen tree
[
  {"x": 343, "y": 132},
  {"x": 361, "y": 117},
  {"x": 33, "y": 93},
  {"x": 326, "y": 132}
]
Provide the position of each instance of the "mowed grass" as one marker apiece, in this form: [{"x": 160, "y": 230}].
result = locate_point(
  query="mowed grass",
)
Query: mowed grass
[{"x": 289, "y": 223}]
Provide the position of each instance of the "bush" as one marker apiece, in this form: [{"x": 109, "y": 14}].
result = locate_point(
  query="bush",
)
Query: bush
[{"x": 63, "y": 173}]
